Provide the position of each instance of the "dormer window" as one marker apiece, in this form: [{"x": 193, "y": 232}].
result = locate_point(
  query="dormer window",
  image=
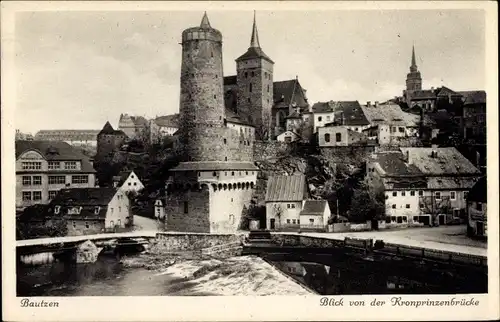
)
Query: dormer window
[
  {"x": 97, "y": 209},
  {"x": 57, "y": 209}
]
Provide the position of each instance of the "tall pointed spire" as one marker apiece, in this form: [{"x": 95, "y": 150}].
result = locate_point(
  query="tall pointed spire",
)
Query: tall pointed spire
[
  {"x": 254, "y": 42},
  {"x": 413, "y": 60},
  {"x": 204, "y": 21}
]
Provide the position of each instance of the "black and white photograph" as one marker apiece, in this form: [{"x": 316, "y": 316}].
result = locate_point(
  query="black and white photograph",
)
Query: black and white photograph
[{"x": 250, "y": 151}]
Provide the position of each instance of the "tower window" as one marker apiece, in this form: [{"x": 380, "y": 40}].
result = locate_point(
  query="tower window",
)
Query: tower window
[
  {"x": 253, "y": 74},
  {"x": 215, "y": 96},
  {"x": 250, "y": 87},
  {"x": 268, "y": 88},
  {"x": 225, "y": 158},
  {"x": 248, "y": 99},
  {"x": 246, "y": 75},
  {"x": 225, "y": 141},
  {"x": 216, "y": 76},
  {"x": 185, "y": 207},
  {"x": 212, "y": 54}
]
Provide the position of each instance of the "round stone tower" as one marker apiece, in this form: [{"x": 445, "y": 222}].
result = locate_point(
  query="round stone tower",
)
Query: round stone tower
[{"x": 202, "y": 111}]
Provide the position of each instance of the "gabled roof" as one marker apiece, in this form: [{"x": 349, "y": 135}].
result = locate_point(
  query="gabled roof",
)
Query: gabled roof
[
  {"x": 479, "y": 191},
  {"x": 389, "y": 114},
  {"x": 286, "y": 188},
  {"x": 393, "y": 163},
  {"x": 474, "y": 97},
  {"x": 322, "y": 107},
  {"x": 423, "y": 94},
  {"x": 289, "y": 92},
  {"x": 446, "y": 161},
  {"x": 168, "y": 120},
  {"x": 351, "y": 113},
  {"x": 108, "y": 129},
  {"x": 84, "y": 196},
  {"x": 314, "y": 207},
  {"x": 55, "y": 151},
  {"x": 445, "y": 91},
  {"x": 122, "y": 177}
]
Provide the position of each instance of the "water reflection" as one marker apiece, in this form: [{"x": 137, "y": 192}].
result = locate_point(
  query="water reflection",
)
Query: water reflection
[{"x": 326, "y": 275}]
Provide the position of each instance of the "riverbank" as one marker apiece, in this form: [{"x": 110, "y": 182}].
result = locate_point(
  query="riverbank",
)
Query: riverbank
[{"x": 242, "y": 275}]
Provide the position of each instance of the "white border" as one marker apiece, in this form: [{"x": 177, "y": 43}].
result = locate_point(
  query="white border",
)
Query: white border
[{"x": 236, "y": 308}]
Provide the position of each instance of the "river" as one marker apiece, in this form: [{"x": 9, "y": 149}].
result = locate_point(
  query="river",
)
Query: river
[{"x": 279, "y": 274}]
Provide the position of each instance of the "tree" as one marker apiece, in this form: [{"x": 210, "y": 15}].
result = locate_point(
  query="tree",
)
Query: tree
[
  {"x": 434, "y": 207},
  {"x": 263, "y": 129},
  {"x": 367, "y": 204}
]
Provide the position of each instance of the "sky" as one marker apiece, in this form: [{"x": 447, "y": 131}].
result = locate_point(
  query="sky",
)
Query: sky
[{"x": 79, "y": 69}]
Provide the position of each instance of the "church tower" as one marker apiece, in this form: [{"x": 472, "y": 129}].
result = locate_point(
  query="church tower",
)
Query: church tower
[
  {"x": 207, "y": 191},
  {"x": 413, "y": 79},
  {"x": 255, "y": 83}
]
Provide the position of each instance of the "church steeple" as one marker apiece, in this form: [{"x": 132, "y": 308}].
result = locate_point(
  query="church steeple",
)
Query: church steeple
[
  {"x": 204, "y": 21},
  {"x": 254, "y": 42},
  {"x": 413, "y": 67},
  {"x": 413, "y": 78}
]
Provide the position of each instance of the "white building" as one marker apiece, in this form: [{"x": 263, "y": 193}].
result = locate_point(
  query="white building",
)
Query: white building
[{"x": 128, "y": 181}]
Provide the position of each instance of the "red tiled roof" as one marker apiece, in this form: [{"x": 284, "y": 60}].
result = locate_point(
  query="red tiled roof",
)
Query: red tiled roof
[
  {"x": 393, "y": 163},
  {"x": 446, "y": 161},
  {"x": 474, "y": 97},
  {"x": 254, "y": 52},
  {"x": 168, "y": 120},
  {"x": 423, "y": 94},
  {"x": 286, "y": 188}
]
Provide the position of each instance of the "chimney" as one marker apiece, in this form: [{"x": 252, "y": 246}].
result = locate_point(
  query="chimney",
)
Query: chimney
[
  {"x": 376, "y": 103},
  {"x": 368, "y": 103},
  {"x": 432, "y": 88}
]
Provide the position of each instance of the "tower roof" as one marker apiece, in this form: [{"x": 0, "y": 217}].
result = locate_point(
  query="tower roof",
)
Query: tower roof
[
  {"x": 205, "y": 23},
  {"x": 413, "y": 67},
  {"x": 254, "y": 41},
  {"x": 254, "y": 51},
  {"x": 107, "y": 129}
]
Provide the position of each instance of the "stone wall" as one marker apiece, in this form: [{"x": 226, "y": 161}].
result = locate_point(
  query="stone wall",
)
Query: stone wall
[
  {"x": 265, "y": 150},
  {"x": 354, "y": 155},
  {"x": 174, "y": 242},
  {"x": 197, "y": 218},
  {"x": 80, "y": 228},
  {"x": 301, "y": 240}
]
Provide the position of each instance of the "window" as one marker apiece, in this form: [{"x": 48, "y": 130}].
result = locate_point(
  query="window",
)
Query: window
[
  {"x": 288, "y": 205},
  {"x": 53, "y": 165},
  {"x": 97, "y": 209},
  {"x": 293, "y": 206},
  {"x": 225, "y": 141},
  {"x": 415, "y": 218},
  {"x": 268, "y": 88},
  {"x": 31, "y": 165},
  {"x": 246, "y": 75},
  {"x": 328, "y": 118},
  {"x": 225, "y": 158},
  {"x": 37, "y": 180},
  {"x": 212, "y": 55},
  {"x": 37, "y": 195},
  {"x": 394, "y": 193},
  {"x": 437, "y": 195},
  {"x": 288, "y": 221},
  {"x": 319, "y": 118},
  {"x": 393, "y": 206},
  {"x": 405, "y": 219},
  {"x": 80, "y": 179},
  {"x": 215, "y": 96},
  {"x": 401, "y": 130},
  {"x": 403, "y": 193},
  {"x": 412, "y": 193},
  {"x": 248, "y": 100},
  {"x": 479, "y": 206},
  {"x": 356, "y": 129},
  {"x": 112, "y": 210},
  {"x": 456, "y": 213},
  {"x": 466, "y": 194},
  {"x": 57, "y": 209},
  {"x": 70, "y": 165},
  {"x": 393, "y": 129},
  {"x": 250, "y": 87},
  {"x": 214, "y": 174},
  {"x": 74, "y": 224},
  {"x": 453, "y": 195},
  {"x": 232, "y": 173},
  {"x": 26, "y": 195},
  {"x": 87, "y": 225},
  {"x": 186, "y": 207},
  {"x": 57, "y": 179},
  {"x": 386, "y": 196},
  {"x": 327, "y": 137},
  {"x": 294, "y": 221},
  {"x": 420, "y": 192},
  {"x": 311, "y": 221},
  {"x": 26, "y": 181},
  {"x": 407, "y": 206},
  {"x": 119, "y": 209},
  {"x": 338, "y": 137},
  {"x": 52, "y": 194}
]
